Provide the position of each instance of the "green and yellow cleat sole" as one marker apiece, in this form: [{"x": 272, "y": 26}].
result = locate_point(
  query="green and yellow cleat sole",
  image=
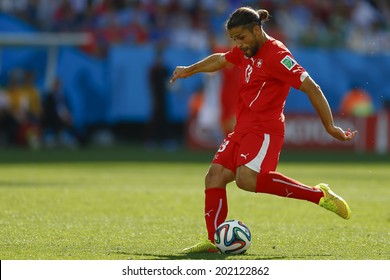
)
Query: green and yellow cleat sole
[{"x": 333, "y": 202}]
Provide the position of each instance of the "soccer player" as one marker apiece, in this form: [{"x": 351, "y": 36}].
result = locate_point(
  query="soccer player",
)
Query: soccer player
[{"x": 250, "y": 154}]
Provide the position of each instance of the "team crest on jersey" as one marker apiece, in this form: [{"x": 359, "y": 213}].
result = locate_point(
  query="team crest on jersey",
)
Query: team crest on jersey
[
  {"x": 259, "y": 63},
  {"x": 288, "y": 62}
]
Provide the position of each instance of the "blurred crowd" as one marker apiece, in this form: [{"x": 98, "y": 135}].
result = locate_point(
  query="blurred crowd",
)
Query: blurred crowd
[
  {"x": 31, "y": 118},
  {"x": 358, "y": 25}
]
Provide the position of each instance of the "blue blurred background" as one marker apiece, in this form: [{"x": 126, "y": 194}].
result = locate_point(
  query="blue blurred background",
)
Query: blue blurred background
[{"x": 105, "y": 82}]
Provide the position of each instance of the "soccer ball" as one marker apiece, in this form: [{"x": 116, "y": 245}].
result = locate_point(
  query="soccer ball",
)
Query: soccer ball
[{"x": 232, "y": 237}]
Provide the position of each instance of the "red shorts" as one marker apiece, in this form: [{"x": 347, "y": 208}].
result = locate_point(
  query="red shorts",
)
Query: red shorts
[{"x": 258, "y": 152}]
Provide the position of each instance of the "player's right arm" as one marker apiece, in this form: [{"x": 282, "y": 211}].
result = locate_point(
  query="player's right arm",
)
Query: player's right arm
[{"x": 211, "y": 63}]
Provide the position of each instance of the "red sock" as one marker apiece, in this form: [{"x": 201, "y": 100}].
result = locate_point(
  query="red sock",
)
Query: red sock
[
  {"x": 278, "y": 184},
  {"x": 215, "y": 209}
]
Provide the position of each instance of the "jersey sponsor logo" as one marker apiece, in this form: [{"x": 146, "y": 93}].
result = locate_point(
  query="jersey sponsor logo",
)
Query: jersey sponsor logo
[{"x": 288, "y": 62}]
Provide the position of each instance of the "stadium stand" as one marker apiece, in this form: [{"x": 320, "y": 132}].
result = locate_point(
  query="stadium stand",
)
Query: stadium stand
[{"x": 105, "y": 79}]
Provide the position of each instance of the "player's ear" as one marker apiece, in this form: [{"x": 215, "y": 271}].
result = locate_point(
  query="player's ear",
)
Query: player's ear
[{"x": 256, "y": 30}]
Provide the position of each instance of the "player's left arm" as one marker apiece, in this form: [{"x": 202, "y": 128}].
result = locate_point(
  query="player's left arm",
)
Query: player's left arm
[{"x": 321, "y": 105}]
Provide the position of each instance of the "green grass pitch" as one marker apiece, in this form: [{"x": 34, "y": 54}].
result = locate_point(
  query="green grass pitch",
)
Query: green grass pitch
[{"x": 129, "y": 203}]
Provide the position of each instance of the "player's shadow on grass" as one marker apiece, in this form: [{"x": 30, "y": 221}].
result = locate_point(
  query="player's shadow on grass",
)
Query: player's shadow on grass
[{"x": 202, "y": 256}]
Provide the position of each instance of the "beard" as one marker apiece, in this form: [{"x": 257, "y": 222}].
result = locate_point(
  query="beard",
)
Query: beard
[{"x": 252, "y": 50}]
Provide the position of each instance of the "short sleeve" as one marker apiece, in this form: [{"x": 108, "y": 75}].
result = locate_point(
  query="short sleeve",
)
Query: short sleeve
[
  {"x": 234, "y": 56},
  {"x": 284, "y": 67}
]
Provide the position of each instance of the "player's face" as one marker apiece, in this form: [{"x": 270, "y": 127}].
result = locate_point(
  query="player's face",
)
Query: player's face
[{"x": 245, "y": 40}]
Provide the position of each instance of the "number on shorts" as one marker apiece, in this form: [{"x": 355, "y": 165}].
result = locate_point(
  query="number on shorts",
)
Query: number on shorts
[{"x": 223, "y": 146}]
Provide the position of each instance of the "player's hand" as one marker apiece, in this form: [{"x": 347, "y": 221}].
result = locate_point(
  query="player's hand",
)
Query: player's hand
[
  {"x": 180, "y": 72},
  {"x": 342, "y": 135}
]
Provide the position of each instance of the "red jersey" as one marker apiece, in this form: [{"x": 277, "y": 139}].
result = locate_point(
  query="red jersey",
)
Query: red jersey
[{"x": 265, "y": 82}]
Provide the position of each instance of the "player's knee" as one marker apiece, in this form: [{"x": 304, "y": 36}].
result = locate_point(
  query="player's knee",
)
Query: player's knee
[
  {"x": 246, "y": 179},
  {"x": 213, "y": 178},
  {"x": 218, "y": 177},
  {"x": 242, "y": 182}
]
